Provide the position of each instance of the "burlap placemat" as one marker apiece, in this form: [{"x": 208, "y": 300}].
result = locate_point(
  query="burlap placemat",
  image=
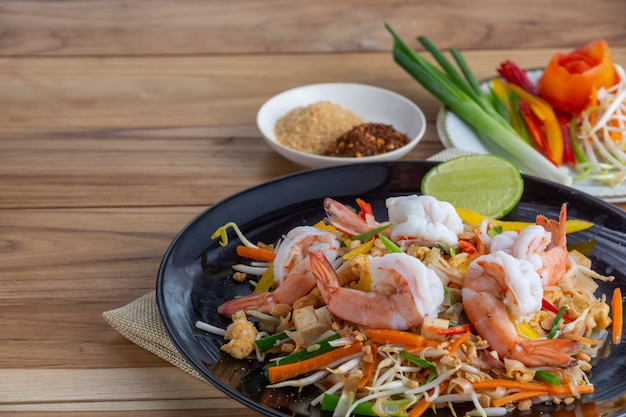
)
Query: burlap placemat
[{"x": 140, "y": 322}]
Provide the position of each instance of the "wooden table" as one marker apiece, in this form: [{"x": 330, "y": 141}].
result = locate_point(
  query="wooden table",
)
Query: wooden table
[{"x": 122, "y": 120}]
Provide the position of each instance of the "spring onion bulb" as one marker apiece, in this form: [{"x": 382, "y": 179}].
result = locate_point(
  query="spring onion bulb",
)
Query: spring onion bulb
[{"x": 461, "y": 95}]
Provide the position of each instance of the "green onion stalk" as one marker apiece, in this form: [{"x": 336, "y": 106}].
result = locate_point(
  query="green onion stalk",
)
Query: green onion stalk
[{"x": 462, "y": 95}]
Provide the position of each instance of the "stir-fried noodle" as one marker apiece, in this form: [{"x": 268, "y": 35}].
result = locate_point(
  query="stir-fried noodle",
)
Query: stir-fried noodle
[{"x": 420, "y": 312}]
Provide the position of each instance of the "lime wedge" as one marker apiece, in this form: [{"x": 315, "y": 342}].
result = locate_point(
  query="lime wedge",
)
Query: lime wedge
[{"x": 486, "y": 184}]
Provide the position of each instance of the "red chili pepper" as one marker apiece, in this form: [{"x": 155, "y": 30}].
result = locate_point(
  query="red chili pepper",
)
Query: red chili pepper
[
  {"x": 547, "y": 305},
  {"x": 467, "y": 247},
  {"x": 366, "y": 209},
  {"x": 568, "y": 147},
  {"x": 460, "y": 329},
  {"x": 516, "y": 75},
  {"x": 533, "y": 124}
]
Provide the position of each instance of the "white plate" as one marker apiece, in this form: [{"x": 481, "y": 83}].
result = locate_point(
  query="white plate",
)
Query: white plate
[
  {"x": 372, "y": 104},
  {"x": 455, "y": 133}
]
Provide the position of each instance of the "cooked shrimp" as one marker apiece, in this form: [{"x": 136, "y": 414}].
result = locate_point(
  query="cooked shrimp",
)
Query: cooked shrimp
[
  {"x": 347, "y": 220},
  {"x": 403, "y": 292},
  {"x": 555, "y": 257},
  {"x": 424, "y": 220},
  {"x": 292, "y": 270},
  {"x": 500, "y": 289},
  {"x": 543, "y": 245}
]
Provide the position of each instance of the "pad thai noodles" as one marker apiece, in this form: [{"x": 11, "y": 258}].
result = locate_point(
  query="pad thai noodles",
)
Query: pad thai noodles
[{"x": 419, "y": 312}]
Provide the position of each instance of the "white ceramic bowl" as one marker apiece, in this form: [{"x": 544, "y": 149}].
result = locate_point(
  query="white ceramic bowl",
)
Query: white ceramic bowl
[{"x": 372, "y": 104}]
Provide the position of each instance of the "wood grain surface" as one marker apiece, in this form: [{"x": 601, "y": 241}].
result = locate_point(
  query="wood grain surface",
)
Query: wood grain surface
[
  {"x": 184, "y": 27},
  {"x": 120, "y": 121}
]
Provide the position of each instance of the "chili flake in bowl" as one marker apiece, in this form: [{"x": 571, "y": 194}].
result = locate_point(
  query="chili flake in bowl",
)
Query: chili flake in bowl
[
  {"x": 367, "y": 139},
  {"x": 314, "y": 111}
]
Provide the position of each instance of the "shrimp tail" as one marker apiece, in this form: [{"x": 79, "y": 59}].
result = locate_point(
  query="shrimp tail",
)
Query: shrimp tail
[
  {"x": 542, "y": 352},
  {"x": 555, "y": 257},
  {"x": 324, "y": 274},
  {"x": 346, "y": 220},
  {"x": 262, "y": 302},
  {"x": 558, "y": 229}
]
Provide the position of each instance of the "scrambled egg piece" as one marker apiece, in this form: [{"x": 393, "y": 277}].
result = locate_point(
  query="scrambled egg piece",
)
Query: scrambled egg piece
[{"x": 240, "y": 335}]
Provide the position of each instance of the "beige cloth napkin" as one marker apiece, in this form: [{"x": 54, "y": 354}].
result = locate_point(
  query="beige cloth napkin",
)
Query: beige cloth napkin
[{"x": 140, "y": 322}]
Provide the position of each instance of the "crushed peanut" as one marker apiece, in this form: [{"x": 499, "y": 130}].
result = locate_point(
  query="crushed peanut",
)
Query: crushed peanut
[{"x": 314, "y": 128}]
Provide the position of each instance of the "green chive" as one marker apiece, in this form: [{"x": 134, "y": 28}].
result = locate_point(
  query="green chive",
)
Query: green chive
[
  {"x": 389, "y": 244},
  {"x": 316, "y": 349},
  {"x": 557, "y": 320},
  {"x": 548, "y": 377},
  {"x": 268, "y": 342},
  {"x": 330, "y": 401},
  {"x": 370, "y": 233},
  {"x": 422, "y": 363},
  {"x": 494, "y": 231}
]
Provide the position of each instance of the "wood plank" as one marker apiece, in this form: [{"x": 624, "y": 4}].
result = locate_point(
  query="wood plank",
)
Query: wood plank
[
  {"x": 126, "y": 97},
  {"x": 83, "y": 256},
  {"x": 179, "y": 408},
  {"x": 149, "y": 172},
  {"x": 112, "y": 391},
  {"x": 149, "y": 27},
  {"x": 24, "y": 386},
  {"x": 158, "y": 408},
  {"x": 85, "y": 132}
]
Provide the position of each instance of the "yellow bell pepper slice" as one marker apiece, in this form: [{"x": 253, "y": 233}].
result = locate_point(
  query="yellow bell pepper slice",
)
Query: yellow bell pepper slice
[
  {"x": 550, "y": 123},
  {"x": 323, "y": 226},
  {"x": 474, "y": 219},
  {"x": 266, "y": 281},
  {"x": 359, "y": 250}
]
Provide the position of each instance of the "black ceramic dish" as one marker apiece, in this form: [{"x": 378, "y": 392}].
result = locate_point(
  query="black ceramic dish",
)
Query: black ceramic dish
[{"x": 194, "y": 276}]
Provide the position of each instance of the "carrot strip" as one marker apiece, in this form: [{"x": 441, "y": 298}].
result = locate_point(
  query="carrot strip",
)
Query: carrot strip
[
  {"x": 518, "y": 396},
  {"x": 260, "y": 254},
  {"x": 368, "y": 370},
  {"x": 281, "y": 373},
  {"x": 593, "y": 103},
  {"x": 616, "y": 306},
  {"x": 420, "y": 408},
  {"x": 396, "y": 337},
  {"x": 458, "y": 342},
  {"x": 529, "y": 386}
]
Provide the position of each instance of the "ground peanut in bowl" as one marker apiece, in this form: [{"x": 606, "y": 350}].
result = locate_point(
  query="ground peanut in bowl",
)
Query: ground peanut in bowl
[{"x": 314, "y": 128}]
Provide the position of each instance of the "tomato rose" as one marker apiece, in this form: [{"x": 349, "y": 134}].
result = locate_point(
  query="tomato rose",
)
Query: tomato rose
[{"x": 569, "y": 79}]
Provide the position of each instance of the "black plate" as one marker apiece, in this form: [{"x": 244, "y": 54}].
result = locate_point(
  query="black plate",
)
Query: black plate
[{"x": 194, "y": 276}]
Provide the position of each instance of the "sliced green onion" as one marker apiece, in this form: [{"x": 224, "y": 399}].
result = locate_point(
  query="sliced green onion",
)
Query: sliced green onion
[
  {"x": 444, "y": 249},
  {"x": 492, "y": 129},
  {"x": 494, "y": 231},
  {"x": 389, "y": 244},
  {"x": 557, "y": 320},
  {"x": 548, "y": 377},
  {"x": 370, "y": 233},
  {"x": 368, "y": 408},
  {"x": 309, "y": 352},
  {"x": 330, "y": 401},
  {"x": 268, "y": 342},
  {"x": 422, "y": 363}
]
